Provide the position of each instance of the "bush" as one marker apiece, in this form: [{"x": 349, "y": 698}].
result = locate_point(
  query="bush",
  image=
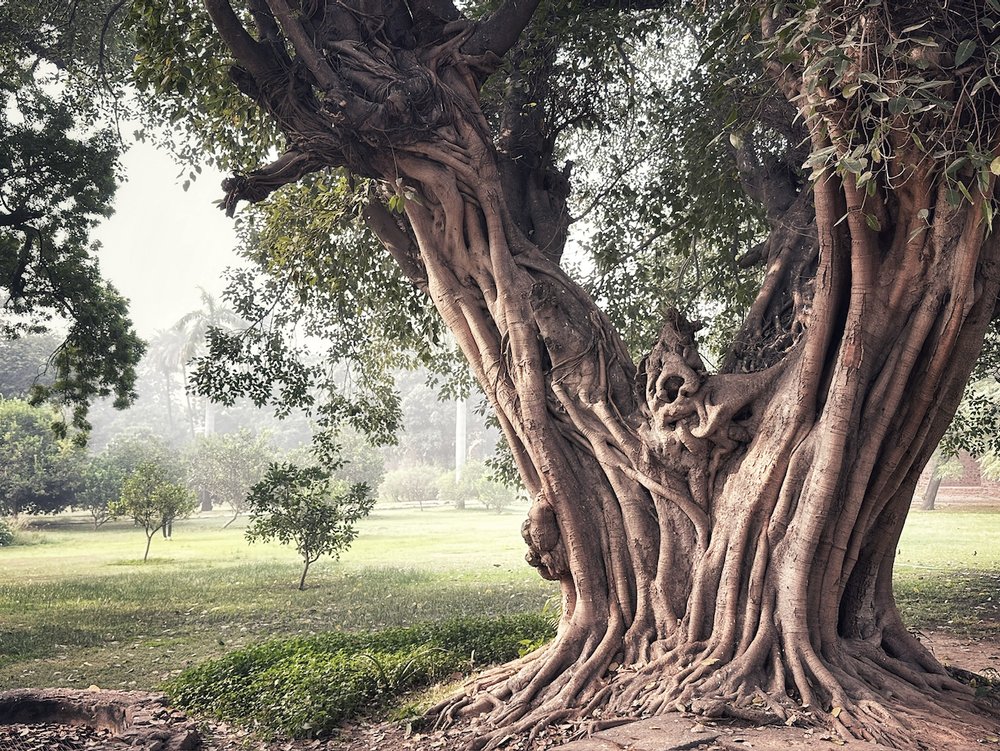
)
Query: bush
[
  {"x": 414, "y": 484},
  {"x": 304, "y": 686},
  {"x": 6, "y": 534}
]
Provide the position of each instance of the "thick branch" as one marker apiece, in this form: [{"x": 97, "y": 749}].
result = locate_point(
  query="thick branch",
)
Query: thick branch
[
  {"x": 259, "y": 184},
  {"x": 19, "y": 216},
  {"x": 399, "y": 244},
  {"x": 250, "y": 53},
  {"x": 304, "y": 46},
  {"x": 499, "y": 31}
]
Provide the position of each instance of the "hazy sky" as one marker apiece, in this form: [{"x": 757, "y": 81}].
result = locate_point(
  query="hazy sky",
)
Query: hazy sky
[{"x": 162, "y": 243}]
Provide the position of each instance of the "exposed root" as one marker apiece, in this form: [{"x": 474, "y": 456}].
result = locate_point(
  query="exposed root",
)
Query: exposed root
[{"x": 866, "y": 694}]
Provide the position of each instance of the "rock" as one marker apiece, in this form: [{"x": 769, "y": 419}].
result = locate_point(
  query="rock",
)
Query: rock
[{"x": 134, "y": 719}]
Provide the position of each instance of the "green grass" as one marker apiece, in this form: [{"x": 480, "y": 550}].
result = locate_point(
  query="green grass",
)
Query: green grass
[
  {"x": 77, "y": 607},
  {"x": 948, "y": 571}
]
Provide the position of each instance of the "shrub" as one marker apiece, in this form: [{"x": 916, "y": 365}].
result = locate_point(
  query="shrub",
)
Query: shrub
[
  {"x": 476, "y": 484},
  {"x": 304, "y": 686},
  {"x": 6, "y": 534}
]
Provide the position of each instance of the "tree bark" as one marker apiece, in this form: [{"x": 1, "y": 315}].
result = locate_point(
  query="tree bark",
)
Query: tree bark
[
  {"x": 236, "y": 514},
  {"x": 933, "y": 485},
  {"x": 724, "y": 542},
  {"x": 302, "y": 579}
]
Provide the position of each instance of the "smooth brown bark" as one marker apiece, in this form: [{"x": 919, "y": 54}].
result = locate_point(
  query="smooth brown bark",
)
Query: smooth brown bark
[
  {"x": 723, "y": 541},
  {"x": 933, "y": 485}
]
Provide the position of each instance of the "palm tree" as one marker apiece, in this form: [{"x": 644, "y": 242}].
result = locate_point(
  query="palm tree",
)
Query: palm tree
[
  {"x": 164, "y": 357},
  {"x": 192, "y": 329}
]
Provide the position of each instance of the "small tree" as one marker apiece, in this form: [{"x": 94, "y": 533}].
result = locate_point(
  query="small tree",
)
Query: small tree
[
  {"x": 153, "y": 501},
  {"x": 225, "y": 467},
  {"x": 414, "y": 484},
  {"x": 300, "y": 506},
  {"x": 103, "y": 474},
  {"x": 100, "y": 485}
]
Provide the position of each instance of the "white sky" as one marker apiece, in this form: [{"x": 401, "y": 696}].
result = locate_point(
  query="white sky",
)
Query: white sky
[{"x": 162, "y": 243}]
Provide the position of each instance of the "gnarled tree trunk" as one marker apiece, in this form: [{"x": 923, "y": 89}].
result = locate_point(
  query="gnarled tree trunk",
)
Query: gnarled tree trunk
[{"x": 724, "y": 542}]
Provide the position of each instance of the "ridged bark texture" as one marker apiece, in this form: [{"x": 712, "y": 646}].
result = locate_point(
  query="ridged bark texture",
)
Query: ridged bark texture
[{"x": 723, "y": 542}]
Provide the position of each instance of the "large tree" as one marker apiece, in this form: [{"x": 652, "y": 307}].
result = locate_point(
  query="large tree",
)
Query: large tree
[{"x": 723, "y": 538}]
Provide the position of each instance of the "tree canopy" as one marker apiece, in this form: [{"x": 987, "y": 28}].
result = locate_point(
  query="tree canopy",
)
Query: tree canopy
[
  {"x": 38, "y": 471},
  {"x": 301, "y": 506},
  {"x": 58, "y": 174},
  {"x": 153, "y": 500}
]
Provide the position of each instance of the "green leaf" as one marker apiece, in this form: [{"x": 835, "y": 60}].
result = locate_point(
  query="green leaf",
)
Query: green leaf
[
  {"x": 857, "y": 166},
  {"x": 964, "y": 52},
  {"x": 986, "y": 81},
  {"x": 995, "y": 166},
  {"x": 955, "y": 166}
]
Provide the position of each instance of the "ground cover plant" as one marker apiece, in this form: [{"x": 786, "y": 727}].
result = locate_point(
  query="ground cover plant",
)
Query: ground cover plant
[{"x": 307, "y": 686}]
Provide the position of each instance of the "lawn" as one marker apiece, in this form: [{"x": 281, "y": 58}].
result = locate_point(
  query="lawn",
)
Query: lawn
[
  {"x": 78, "y": 607},
  {"x": 948, "y": 571}
]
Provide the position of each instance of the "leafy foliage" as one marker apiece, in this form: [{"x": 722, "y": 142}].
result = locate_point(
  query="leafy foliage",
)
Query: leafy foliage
[
  {"x": 38, "y": 471},
  {"x": 177, "y": 70},
  {"x": 57, "y": 178},
  {"x": 152, "y": 500},
  {"x": 227, "y": 466},
  {"x": 24, "y": 364},
  {"x": 662, "y": 213},
  {"x": 300, "y": 506},
  {"x": 872, "y": 65},
  {"x": 976, "y": 426},
  {"x": 303, "y": 687},
  {"x": 413, "y": 484},
  {"x": 476, "y": 484},
  {"x": 6, "y": 534},
  {"x": 103, "y": 474}
]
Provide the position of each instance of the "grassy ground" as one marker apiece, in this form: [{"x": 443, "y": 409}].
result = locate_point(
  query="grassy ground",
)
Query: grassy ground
[
  {"x": 948, "y": 571},
  {"x": 78, "y": 607}
]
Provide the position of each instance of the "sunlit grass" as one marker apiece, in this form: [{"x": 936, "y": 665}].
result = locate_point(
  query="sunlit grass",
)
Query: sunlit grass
[{"x": 948, "y": 571}]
